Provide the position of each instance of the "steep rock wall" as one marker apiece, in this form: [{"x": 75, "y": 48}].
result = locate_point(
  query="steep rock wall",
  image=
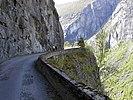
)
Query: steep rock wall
[
  {"x": 28, "y": 26},
  {"x": 120, "y": 25},
  {"x": 91, "y": 20}
]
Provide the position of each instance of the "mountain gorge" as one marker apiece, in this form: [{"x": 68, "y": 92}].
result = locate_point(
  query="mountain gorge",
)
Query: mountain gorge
[
  {"x": 115, "y": 18},
  {"x": 120, "y": 25},
  {"x": 117, "y": 66},
  {"x": 116, "y": 70},
  {"x": 101, "y": 66},
  {"x": 71, "y": 11},
  {"x": 91, "y": 20},
  {"x": 28, "y": 27}
]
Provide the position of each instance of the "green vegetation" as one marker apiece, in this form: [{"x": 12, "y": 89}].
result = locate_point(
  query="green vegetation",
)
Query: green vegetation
[
  {"x": 116, "y": 67},
  {"x": 79, "y": 64},
  {"x": 67, "y": 44},
  {"x": 81, "y": 42},
  {"x": 118, "y": 83},
  {"x": 102, "y": 47},
  {"x": 122, "y": 48}
]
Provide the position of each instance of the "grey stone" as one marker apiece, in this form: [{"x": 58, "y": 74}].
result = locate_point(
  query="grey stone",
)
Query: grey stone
[
  {"x": 120, "y": 25},
  {"x": 91, "y": 20},
  {"x": 28, "y": 26}
]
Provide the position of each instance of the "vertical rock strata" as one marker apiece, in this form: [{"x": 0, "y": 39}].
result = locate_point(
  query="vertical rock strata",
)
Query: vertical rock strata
[
  {"x": 120, "y": 25},
  {"x": 91, "y": 20},
  {"x": 28, "y": 26}
]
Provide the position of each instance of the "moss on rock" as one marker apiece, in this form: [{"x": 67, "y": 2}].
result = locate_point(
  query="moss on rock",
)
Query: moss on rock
[{"x": 80, "y": 65}]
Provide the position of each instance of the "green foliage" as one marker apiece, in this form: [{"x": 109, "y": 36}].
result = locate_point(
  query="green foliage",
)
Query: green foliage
[
  {"x": 75, "y": 44},
  {"x": 117, "y": 68},
  {"x": 78, "y": 65},
  {"x": 88, "y": 47},
  {"x": 119, "y": 55},
  {"x": 67, "y": 44},
  {"x": 102, "y": 47},
  {"x": 119, "y": 84},
  {"x": 70, "y": 45},
  {"x": 81, "y": 42}
]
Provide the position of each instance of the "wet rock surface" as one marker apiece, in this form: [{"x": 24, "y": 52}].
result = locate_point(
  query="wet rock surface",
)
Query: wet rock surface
[{"x": 19, "y": 80}]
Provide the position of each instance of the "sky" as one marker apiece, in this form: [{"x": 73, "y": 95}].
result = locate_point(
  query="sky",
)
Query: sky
[{"x": 62, "y": 1}]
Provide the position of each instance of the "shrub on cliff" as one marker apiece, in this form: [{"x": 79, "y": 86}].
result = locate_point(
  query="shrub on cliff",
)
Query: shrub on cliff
[
  {"x": 102, "y": 47},
  {"x": 81, "y": 42}
]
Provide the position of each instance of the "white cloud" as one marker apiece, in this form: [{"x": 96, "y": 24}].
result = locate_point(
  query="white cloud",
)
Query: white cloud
[{"x": 62, "y": 1}]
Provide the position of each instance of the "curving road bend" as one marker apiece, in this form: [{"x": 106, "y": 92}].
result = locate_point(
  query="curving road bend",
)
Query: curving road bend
[{"x": 19, "y": 80}]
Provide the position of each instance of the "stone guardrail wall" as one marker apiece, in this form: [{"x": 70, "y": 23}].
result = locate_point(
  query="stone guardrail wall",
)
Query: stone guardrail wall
[{"x": 68, "y": 88}]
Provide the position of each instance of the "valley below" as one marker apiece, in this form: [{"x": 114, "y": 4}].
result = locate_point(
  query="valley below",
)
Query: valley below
[{"x": 84, "y": 49}]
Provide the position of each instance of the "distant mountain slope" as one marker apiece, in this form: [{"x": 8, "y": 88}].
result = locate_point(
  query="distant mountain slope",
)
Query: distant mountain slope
[
  {"x": 118, "y": 72},
  {"x": 72, "y": 7},
  {"x": 120, "y": 56},
  {"x": 91, "y": 20},
  {"x": 117, "y": 66},
  {"x": 70, "y": 12},
  {"x": 120, "y": 25}
]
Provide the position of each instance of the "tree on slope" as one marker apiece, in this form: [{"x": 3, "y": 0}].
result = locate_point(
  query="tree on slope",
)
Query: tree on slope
[
  {"x": 81, "y": 42},
  {"x": 102, "y": 47}
]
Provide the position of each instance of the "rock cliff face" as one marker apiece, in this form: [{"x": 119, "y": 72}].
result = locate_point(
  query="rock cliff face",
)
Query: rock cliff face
[
  {"x": 92, "y": 18},
  {"x": 28, "y": 26},
  {"x": 117, "y": 68},
  {"x": 120, "y": 25}
]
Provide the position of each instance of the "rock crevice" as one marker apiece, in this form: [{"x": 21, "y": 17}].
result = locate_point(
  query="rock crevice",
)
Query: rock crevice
[{"x": 28, "y": 27}]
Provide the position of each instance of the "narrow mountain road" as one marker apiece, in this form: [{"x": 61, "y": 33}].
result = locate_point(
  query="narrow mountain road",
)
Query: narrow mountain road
[{"x": 19, "y": 80}]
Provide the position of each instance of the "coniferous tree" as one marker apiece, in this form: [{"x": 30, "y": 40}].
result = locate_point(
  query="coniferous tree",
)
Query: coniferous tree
[
  {"x": 102, "y": 47},
  {"x": 81, "y": 42}
]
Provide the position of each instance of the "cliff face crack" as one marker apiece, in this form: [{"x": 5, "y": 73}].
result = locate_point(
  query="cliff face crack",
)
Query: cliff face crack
[
  {"x": 31, "y": 23},
  {"x": 3, "y": 24}
]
